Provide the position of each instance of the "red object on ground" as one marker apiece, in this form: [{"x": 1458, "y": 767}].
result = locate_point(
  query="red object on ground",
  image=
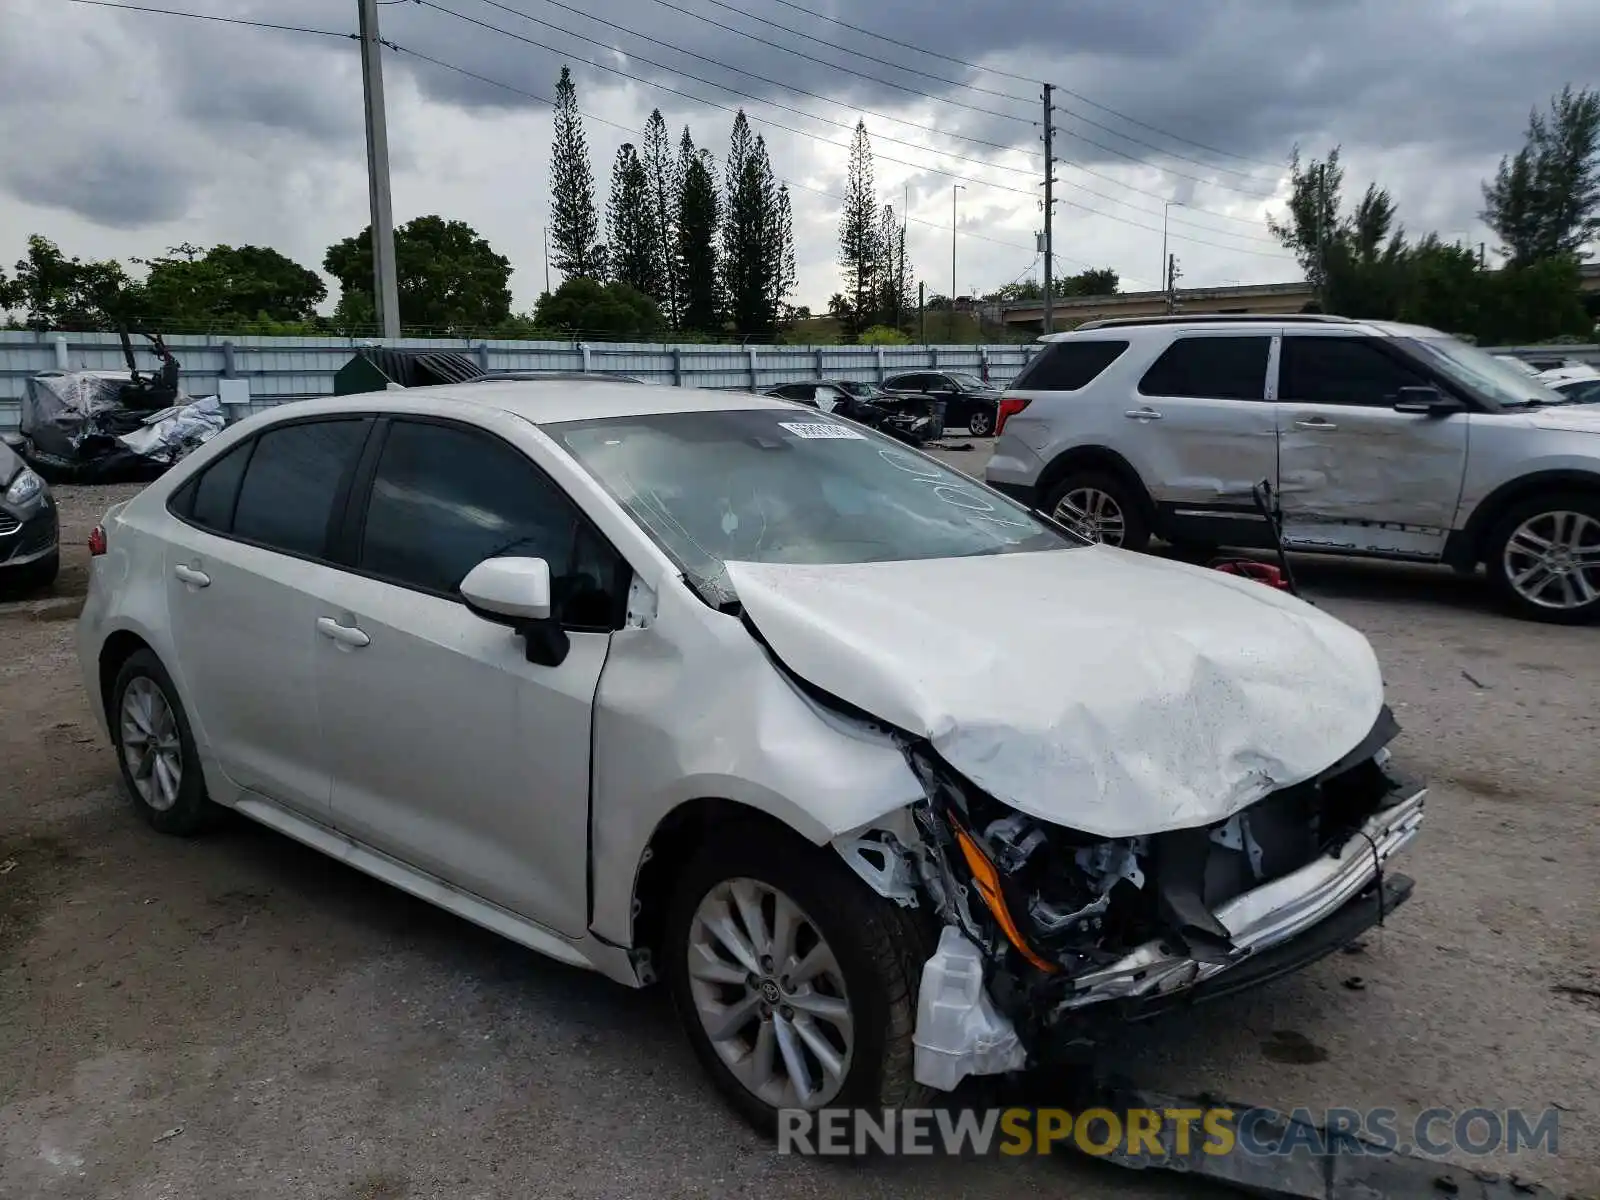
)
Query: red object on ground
[{"x": 1250, "y": 569}]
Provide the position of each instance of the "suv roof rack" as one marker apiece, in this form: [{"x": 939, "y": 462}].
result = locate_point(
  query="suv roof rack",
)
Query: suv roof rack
[{"x": 1207, "y": 318}]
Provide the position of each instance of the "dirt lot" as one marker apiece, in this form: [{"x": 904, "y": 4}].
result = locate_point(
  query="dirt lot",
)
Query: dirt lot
[{"x": 239, "y": 1017}]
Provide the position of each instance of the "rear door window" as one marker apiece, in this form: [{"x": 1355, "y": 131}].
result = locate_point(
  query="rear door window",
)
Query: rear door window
[
  {"x": 1068, "y": 366},
  {"x": 293, "y": 482},
  {"x": 1215, "y": 368},
  {"x": 217, "y": 489},
  {"x": 1342, "y": 370}
]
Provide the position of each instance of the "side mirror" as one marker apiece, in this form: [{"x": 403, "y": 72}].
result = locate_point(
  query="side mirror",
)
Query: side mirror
[
  {"x": 516, "y": 592},
  {"x": 1426, "y": 402}
]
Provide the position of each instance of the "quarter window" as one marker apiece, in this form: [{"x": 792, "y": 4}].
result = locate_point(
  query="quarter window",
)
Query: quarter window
[
  {"x": 217, "y": 489},
  {"x": 293, "y": 480},
  {"x": 445, "y": 498},
  {"x": 1217, "y": 368},
  {"x": 1342, "y": 370},
  {"x": 1068, "y": 366}
]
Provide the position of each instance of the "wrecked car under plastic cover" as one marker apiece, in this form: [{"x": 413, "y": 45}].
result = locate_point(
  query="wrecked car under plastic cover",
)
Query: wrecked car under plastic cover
[{"x": 1137, "y": 780}]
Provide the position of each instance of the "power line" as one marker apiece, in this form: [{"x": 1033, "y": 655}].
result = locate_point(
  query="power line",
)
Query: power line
[
  {"x": 728, "y": 108},
  {"x": 194, "y": 16},
  {"x": 753, "y": 75},
  {"x": 846, "y": 49},
  {"x": 971, "y": 66},
  {"x": 1168, "y": 170}
]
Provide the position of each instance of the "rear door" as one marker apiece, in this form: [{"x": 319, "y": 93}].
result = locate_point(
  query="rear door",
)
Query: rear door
[
  {"x": 1356, "y": 475},
  {"x": 449, "y": 750},
  {"x": 1201, "y": 432},
  {"x": 242, "y": 576}
]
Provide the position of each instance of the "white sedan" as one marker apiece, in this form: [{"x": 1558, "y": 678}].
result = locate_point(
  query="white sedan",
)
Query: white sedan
[{"x": 890, "y": 779}]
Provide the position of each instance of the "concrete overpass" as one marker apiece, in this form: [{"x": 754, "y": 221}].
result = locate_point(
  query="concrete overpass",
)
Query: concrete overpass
[{"x": 1268, "y": 298}]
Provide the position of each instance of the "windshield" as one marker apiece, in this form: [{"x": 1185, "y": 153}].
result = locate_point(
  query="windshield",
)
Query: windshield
[
  {"x": 862, "y": 391},
  {"x": 970, "y": 383},
  {"x": 1577, "y": 391},
  {"x": 1484, "y": 373},
  {"x": 772, "y": 486}
]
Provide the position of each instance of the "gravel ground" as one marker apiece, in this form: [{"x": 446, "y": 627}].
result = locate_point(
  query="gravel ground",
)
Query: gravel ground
[{"x": 239, "y": 1017}]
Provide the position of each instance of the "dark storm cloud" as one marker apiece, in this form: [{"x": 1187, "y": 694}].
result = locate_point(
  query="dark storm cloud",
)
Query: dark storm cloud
[{"x": 111, "y": 182}]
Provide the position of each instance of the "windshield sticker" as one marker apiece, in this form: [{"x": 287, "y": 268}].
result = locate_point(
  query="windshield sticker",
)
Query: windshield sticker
[{"x": 823, "y": 430}]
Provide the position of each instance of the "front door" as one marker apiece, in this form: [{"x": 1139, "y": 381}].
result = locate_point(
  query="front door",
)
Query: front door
[
  {"x": 1356, "y": 475},
  {"x": 449, "y": 750},
  {"x": 1201, "y": 433}
]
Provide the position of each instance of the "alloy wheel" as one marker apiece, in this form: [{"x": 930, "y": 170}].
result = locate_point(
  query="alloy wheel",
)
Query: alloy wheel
[
  {"x": 1552, "y": 560},
  {"x": 151, "y": 746},
  {"x": 981, "y": 424},
  {"x": 1094, "y": 514},
  {"x": 770, "y": 995}
]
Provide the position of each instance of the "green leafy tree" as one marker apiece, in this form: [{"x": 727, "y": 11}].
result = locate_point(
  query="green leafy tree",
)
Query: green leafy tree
[
  {"x": 883, "y": 335},
  {"x": 695, "y": 232},
  {"x": 574, "y": 225},
  {"x": 661, "y": 175},
  {"x": 450, "y": 278},
  {"x": 587, "y": 308},
  {"x": 894, "y": 272},
  {"x": 757, "y": 238},
  {"x": 860, "y": 239},
  {"x": 1544, "y": 201},
  {"x": 1097, "y": 281},
  {"x": 1312, "y": 224},
  {"x": 230, "y": 287},
  {"x": 52, "y": 291},
  {"x": 633, "y": 242}
]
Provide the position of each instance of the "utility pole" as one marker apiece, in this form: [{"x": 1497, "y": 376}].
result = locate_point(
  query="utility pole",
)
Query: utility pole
[
  {"x": 546, "y": 232},
  {"x": 1049, "y": 210},
  {"x": 950, "y": 323},
  {"x": 1482, "y": 263},
  {"x": 1166, "y": 207},
  {"x": 1322, "y": 253},
  {"x": 1172, "y": 282},
  {"x": 922, "y": 309},
  {"x": 386, "y": 286}
]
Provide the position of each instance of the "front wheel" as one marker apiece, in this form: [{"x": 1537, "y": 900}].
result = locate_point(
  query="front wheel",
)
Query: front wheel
[
  {"x": 1543, "y": 558},
  {"x": 796, "y": 984}
]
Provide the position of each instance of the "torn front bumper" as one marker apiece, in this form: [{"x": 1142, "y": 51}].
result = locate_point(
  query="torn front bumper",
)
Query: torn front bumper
[{"x": 1273, "y": 915}]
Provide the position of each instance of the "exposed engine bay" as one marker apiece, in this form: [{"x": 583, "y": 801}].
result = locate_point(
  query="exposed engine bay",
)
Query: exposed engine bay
[{"x": 1072, "y": 928}]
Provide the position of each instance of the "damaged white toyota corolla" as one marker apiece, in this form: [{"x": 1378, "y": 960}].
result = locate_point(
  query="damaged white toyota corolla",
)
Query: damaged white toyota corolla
[{"x": 892, "y": 781}]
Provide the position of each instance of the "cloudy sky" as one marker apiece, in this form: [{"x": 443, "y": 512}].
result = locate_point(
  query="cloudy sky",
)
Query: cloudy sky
[{"x": 126, "y": 133}]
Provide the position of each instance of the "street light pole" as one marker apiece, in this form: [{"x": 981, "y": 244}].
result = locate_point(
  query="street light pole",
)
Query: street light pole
[{"x": 1166, "y": 207}]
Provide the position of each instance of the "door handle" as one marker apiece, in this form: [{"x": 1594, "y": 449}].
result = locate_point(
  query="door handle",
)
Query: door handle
[
  {"x": 1143, "y": 414},
  {"x": 345, "y": 635},
  {"x": 192, "y": 577},
  {"x": 1316, "y": 423}
]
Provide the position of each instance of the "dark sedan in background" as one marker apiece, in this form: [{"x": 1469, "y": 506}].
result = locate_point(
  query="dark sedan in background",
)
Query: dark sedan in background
[
  {"x": 968, "y": 400},
  {"x": 912, "y": 419},
  {"x": 29, "y": 526}
]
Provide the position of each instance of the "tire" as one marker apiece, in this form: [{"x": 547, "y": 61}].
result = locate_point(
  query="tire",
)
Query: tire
[
  {"x": 1564, "y": 588},
  {"x": 1128, "y": 505},
  {"x": 878, "y": 948},
  {"x": 182, "y": 810},
  {"x": 981, "y": 422}
]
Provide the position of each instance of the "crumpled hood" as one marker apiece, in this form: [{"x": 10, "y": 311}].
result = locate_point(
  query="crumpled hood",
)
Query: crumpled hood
[{"x": 1109, "y": 692}]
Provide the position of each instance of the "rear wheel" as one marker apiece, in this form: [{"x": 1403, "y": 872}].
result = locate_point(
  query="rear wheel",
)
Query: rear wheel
[
  {"x": 155, "y": 747},
  {"x": 1543, "y": 558},
  {"x": 796, "y": 984},
  {"x": 1101, "y": 507},
  {"x": 981, "y": 422}
]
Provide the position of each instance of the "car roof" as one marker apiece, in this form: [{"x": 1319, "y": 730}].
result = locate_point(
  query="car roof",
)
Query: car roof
[
  {"x": 537, "y": 402},
  {"x": 1237, "y": 322}
]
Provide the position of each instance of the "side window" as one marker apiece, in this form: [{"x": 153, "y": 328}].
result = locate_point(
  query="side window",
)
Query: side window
[
  {"x": 1342, "y": 370},
  {"x": 445, "y": 498},
  {"x": 1217, "y": 368},
  {"x": 292, "y": 482},
  {"x": 218, "y": 487},
  {"x": 1068, "y": 366}
]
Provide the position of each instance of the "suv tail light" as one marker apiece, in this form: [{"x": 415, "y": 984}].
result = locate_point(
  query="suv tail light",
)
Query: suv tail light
[
  {"x": 1010, "y": 406},
  {"x": 97, "y": 541}
]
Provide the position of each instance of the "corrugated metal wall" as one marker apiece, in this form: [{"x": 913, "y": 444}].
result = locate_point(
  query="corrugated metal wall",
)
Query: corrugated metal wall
[{"x": 280, "y": 368}]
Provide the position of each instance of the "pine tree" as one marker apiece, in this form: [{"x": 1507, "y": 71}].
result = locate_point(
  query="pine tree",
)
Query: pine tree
[
  {"x": 892, "y": 272},
  {"x": 696, "y": 227},
  {"x": 574, "y": 225},
  {"x": 1544, "y": 201},
  {"x": 661, "y": 172},
  {"x": 784, "y": 279},
  {"x": 741, "y": 233},
  {"x": 634, "y": 247},
  {"x": 860, "y": 253}
]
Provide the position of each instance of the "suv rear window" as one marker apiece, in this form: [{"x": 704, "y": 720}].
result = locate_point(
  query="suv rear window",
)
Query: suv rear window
[
  {"x": 1068, "y": 366},
  {"x": 1216, "y": 368}
]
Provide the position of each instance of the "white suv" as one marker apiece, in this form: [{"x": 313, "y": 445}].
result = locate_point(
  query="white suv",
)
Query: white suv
[{"x": 1377, "y": 439}]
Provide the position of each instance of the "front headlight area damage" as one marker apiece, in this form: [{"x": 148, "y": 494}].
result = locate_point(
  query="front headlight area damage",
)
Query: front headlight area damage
[{"x": 1047, "y": 930}]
